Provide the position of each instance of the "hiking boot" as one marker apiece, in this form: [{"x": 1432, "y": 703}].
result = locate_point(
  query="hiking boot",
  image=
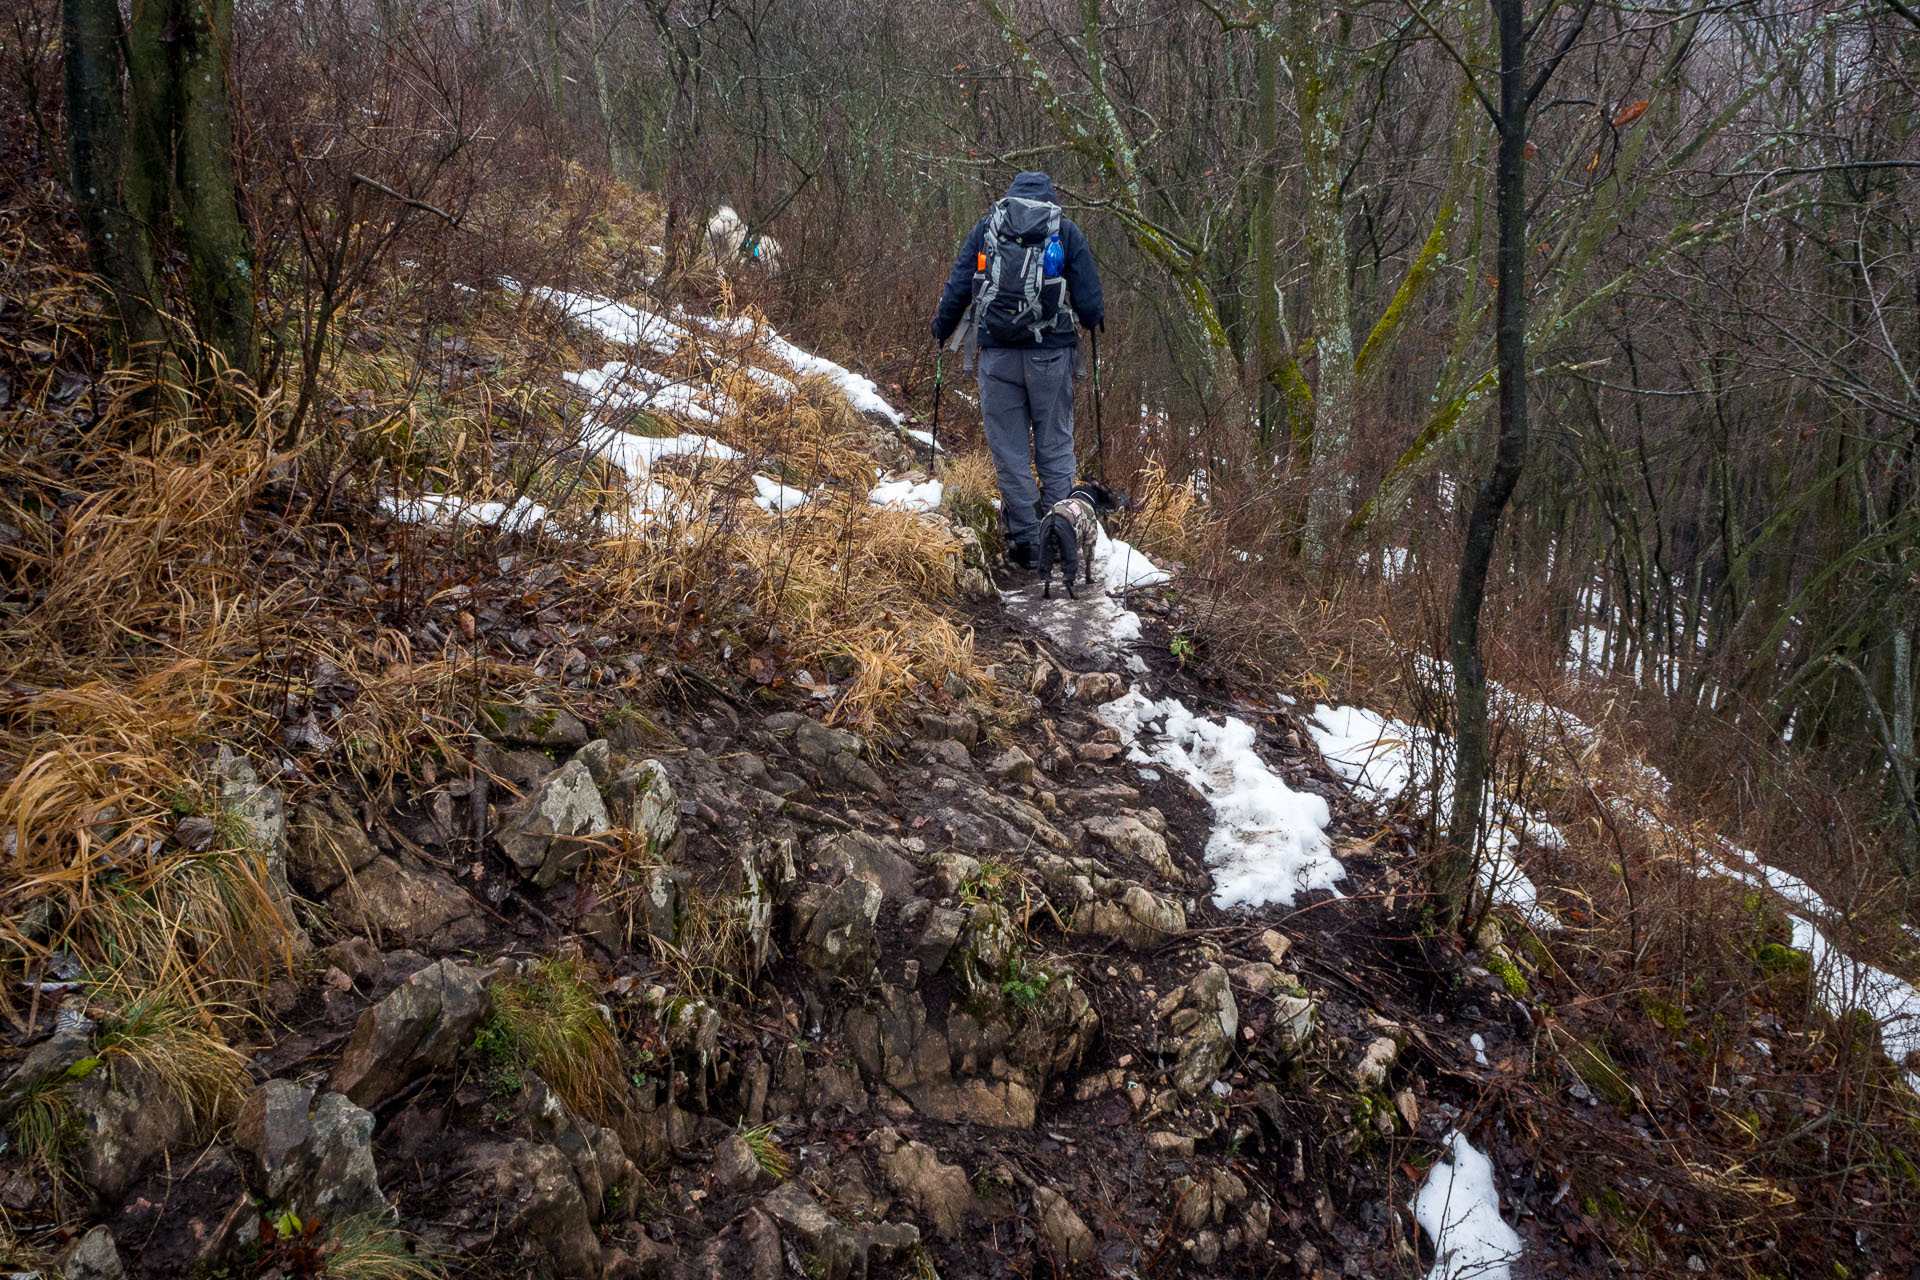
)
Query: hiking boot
[{"x": 1023, "y": 555}]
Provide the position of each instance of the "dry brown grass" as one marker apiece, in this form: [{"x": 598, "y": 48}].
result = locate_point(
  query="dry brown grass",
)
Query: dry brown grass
[{"x": 1168, "y": 518}]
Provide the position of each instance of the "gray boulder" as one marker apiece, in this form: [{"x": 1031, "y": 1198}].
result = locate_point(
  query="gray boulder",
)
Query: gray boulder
[
  {"x": 326, "y": 844},
  {"x": 425, "y": 1024},
  {"x": 95, "y": 1257},
  {"x": 837, "y": 939},
  {"x": 531, "y": 725},
  {"x": 543, "y": 835},
  {"x": 310, "y": 1156}
]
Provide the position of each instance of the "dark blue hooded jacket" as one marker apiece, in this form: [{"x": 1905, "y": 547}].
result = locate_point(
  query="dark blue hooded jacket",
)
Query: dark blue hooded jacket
[{"x": 1083, "y": 281}]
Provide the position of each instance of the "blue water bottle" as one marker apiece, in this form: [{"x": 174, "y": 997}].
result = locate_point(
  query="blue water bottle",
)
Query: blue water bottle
[{"x": 1054, "y": 258}]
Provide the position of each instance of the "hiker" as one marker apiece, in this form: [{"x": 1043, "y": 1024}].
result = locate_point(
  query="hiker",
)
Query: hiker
[{"x": 1020, "y": 293}]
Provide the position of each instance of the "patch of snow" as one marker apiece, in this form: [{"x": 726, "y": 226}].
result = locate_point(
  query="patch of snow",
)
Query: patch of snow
[
  {"x": 636, "y": 455},
  {"x": 451, "y": 511},
  {"x": 774, "y": 496},
  {"x": 617, "y": 321},
  {"x": 1269, "y": 842},
  {"x": 1479, "y": 1050},
  {"x": 925, "y": 438},
  {"x": 1459, "y": 1208},
  {"x": 1384, "y": 759},
  {"x": 904, "y": 495},
  {"x": 1842, "y": 985},
  {"x": 861, "y": 392},
  {"x": 1125, "y": 568}
]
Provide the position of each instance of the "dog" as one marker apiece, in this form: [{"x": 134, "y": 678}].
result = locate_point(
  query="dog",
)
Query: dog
[
  {"x": 1071, "y": 530},
  {"x": 727, "y": 242}
]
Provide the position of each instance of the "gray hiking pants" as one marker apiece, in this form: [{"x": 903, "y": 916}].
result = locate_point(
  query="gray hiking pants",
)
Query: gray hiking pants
[{"x": 1026, "y": 402}]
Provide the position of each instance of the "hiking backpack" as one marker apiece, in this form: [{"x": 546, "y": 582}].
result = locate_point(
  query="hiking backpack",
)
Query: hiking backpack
[{"x": 1015, "y": 300}]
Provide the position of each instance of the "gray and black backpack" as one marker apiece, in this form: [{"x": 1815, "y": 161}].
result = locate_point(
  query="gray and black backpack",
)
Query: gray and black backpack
[{"x": 1016, "y": 298}]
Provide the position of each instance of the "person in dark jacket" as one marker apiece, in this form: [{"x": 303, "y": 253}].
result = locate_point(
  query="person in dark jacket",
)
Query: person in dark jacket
[{"x": 1026, "y": 386}]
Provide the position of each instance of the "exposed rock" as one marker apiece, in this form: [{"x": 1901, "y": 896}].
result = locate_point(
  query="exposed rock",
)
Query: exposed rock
[
  {"x": 735, "y": 1166},
  {"x": 945, "y": 751},
  {"x": 1370, "y": 1072},
  {"x": 1098, "y": 686},
  {"x": 526, "y": 1195},
  {"x": 1098, "y": 752},
  {"x": 641, "y": 799},
  {"x": 326, "y": 844},
  {"x": 311, "y": 1159},
  {"x": 837, "y": 939},
  {"x": 1001, "y": 1104},
  {"x": 259, "y": 806},
  {"x": 1292, "y": 1023},
  {"x": 333, "y": 1174},
  {"x": 874, "y": 858},
  {"x": 940, "y": 1192},
  {"x": 1209, "y": 1042},
  {"x": 424, "y": 1024},
  {"x": 600, "y": 1163},
  {"x": 531, "y": 725},
  {"x": 542, "y": 836},
  {"x": 957, "y": 727},
  {"x": 937, "y": 938},
  {"x": 952, "y": 871},
  {"x": 273, "y": 1123},
  {"x": 1140, "y": 918},
  {"x": 1274, "y": 945},
  {"x": 1012, "y": 766},
  {"x": 597, "y": 756},
  {"x": 128, "y": 1121},
  {"x": 51, "y": 1057},
  {"x": 416, "y": 905},
  {"x": 840, "y": 1252},
  {"x": 1068, "y": 1234},
  {"x": 1162, "y": 1143},
  {"x": 95, "y": 1257},
  {"x": 1133, "y": 838}
]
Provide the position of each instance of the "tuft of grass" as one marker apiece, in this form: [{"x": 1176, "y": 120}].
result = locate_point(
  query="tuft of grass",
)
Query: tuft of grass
[
  {"x": 45, "y": 1130},
  {"x": 767, "y": 1152},
  {"x": 549, "y": 1020},
  {"x": 971, "y": 486},
  {"x": 180, "y": 1052},
  {"x": 1169, "y": 519},
  {"x": 370, "y": 1247}
]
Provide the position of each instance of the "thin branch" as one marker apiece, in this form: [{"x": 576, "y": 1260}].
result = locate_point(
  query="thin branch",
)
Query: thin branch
[
  {"x": 1566, "y": 45},
  {"x": 408, "y": 200},
  {"x": 1473, "y": 79}
]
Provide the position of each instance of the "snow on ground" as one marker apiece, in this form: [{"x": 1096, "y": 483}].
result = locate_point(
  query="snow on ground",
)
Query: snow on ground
[
  {"x": 774, "y": 496},
  {"x": 904, "y": 495},
  {"x": 1124, "y": 567},
  {"x": 618, "y": 321},
  {"x": 925, "y": 438},
  {"x": 861, "y": 392},
  {"x": 1095, "y": 628},
  {"x": 1384, "y": 759},
  {"x": 1842, "y": 985},
  {"x": 636, "y": 455},
  {"x": 1269, "y": 842},
  {"x": 450, "y": 511},
  {"x": 1459, "y": 1208}
]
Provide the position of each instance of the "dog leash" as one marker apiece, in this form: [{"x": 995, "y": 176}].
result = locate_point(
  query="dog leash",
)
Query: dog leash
[
  {"x": 1099, "y": 431},
  {"x": 933, "y": 461}
]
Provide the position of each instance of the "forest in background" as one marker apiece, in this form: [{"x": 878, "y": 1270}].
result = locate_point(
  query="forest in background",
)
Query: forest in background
[
  {"x": 1710, "y": 552},
  {"x": 1293, "y": 209}
]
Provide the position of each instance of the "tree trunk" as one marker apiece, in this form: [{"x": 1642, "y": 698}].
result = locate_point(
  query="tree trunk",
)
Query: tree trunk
[
  {"x": 1454, "y": 876},
  {"x": 1262, "y": 227},
  {"x": 206, "y": 197},
  {"x": 97, "y": 154}
]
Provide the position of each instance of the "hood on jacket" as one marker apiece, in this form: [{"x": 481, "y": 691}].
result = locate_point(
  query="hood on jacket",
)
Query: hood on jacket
[{"x": 1033, "y": 186}]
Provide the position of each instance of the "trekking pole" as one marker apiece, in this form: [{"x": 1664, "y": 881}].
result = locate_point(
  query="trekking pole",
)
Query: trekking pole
[
  {"x": 933, "y": 462},
  {"x": 1099, "y": 431}
]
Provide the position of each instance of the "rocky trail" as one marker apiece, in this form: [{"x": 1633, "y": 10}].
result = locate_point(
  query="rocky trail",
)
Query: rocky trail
[{"x": 1086, "y": 969}]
